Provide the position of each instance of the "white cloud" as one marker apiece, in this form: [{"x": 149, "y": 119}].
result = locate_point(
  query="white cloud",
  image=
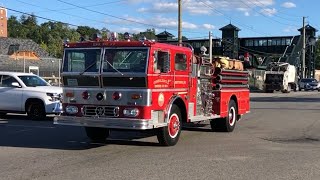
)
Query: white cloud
[
  {"x": 290, "y": 29},
  {"x": 160, "y": 7},
  {"x": 156, "y": 21},
  {"x": 209, "y": 26},
  {"x": 198, "y": 11},
  {"x": 263, "y": 2},
  {"x": 244, "y": 10},
  {"x": 204, "y": 7},
  {"x": 288, "y": 5},
  {"x": 131, "y": 30},
  {"x": 269, "y": 11}
]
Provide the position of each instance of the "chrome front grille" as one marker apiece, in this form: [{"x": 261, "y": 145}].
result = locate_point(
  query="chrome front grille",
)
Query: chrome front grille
[{"x": 101, "y": 111}]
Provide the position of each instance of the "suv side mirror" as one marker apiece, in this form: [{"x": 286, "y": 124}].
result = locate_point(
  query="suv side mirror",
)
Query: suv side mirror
[{"x": 15, "y": 84}]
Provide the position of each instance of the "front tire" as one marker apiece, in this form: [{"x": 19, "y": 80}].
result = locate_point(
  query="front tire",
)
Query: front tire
[
  {"x": 228, "y": 123},
  {"x": 97, "y": 134},
  {"x": 36, "y": 111},
  {"x": 169, "y": 135}
]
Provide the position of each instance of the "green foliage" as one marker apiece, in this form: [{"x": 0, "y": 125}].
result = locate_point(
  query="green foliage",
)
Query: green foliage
[{"x": 50, "y": 35}]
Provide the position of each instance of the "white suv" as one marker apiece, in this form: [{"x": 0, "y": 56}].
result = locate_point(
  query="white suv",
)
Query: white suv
[{"x": 28, "y": 93}]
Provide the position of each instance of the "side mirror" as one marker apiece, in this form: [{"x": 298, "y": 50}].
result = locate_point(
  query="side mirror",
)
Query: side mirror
[{"x": 15, "y": 84}]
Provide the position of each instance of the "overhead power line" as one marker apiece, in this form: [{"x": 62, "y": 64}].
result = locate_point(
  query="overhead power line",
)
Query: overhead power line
[
  {"x": 124, "y": 19},
  {"x": 110, "y": 15},
  {"x": 231, "y": 19},
  {"x": 66, "y": 9},
  {"x": 45, "y": 18},
  {"x": 279, "y": 22},
  {"x": 59, "y": 12}
]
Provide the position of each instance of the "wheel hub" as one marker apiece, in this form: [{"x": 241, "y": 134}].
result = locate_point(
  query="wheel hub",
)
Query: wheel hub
[
  {"x": 174, "y": 126},
  {"x": 231, "y": 117}
]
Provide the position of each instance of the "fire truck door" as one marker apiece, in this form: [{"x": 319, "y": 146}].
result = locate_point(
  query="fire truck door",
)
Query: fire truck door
[{"x": 162, "y": 67}]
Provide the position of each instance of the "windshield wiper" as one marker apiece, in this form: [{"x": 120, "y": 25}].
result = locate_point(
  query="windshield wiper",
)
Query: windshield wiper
[
  {"x": 114, "y": 68},
  {"x": 90, "y": 66}
]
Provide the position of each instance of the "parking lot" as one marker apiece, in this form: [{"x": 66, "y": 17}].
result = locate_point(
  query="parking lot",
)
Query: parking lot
[{"x": 279, "y": 139}]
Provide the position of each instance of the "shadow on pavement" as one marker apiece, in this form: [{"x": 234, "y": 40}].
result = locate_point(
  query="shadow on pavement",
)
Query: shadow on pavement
[{"x": 16, "y": 131}]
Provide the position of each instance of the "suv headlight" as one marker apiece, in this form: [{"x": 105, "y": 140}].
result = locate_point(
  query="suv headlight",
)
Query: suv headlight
[{"x": 54, "y": 96}]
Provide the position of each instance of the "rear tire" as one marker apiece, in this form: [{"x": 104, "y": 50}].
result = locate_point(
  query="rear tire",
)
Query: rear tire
[
  {"x": 169, "y": 135},
  {"x": 226, "y": 124},
  {"x": 36, "y": 110},
  {"x": 97, "y": 134}
]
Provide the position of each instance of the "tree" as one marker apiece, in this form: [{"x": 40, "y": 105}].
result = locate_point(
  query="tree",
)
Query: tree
[
  {"x": 15, "y": 28},
  {"x": 87, "y": 31}
]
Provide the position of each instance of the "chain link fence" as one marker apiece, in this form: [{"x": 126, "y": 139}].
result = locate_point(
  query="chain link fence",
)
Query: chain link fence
[
  {"x": 47, "y": 68},
  {"x": 256, "y": 80}
]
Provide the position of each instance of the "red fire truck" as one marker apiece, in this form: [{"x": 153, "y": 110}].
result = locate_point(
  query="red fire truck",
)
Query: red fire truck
[{"x": 143, "y": 85}]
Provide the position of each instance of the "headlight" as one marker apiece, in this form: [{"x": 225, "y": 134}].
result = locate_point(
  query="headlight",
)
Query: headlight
[
  {"x": 131, "y": 112},
  {"x": 54, "y": 96},
  {"x": 72, "y": 109}
]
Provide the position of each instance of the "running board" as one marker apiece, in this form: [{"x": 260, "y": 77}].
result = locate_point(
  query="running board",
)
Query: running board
[{"x": 203, "y": 118}]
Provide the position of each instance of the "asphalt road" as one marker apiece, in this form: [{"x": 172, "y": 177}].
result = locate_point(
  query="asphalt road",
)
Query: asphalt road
[{"x": 279, "y": 139}]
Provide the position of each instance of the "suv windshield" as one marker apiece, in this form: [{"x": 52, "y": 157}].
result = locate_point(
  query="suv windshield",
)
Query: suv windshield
[
  {"x": 80, "y": 60},
  {"x": 125, "y": 60},
  {"x": 33, "y": 81}
]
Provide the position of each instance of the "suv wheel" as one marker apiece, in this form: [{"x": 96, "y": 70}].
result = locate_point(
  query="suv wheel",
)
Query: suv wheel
[
  {"x": 2, "y": 114},
  {"x": 36, "y": 110}
]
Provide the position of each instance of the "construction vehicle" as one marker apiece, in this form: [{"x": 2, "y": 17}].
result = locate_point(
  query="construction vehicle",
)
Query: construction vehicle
[
  {"x": 280, "y": 76},
  {"x": 147, "y": 85}
]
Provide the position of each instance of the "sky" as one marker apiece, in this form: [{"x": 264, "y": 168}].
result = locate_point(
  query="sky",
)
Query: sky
[{"x": 255, "y": 18}]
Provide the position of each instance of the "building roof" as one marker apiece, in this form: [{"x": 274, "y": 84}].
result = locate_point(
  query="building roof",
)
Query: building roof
[
  {"x": 308, "y": 27},
  {"x": 230, "y": 27},
  {"x": 7, "y": 45},
  {"x": 165, "y": 33}
]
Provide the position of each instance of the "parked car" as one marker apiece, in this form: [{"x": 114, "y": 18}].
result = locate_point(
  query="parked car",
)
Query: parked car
[
  {"x": 309, "y": 84},
  {"x": 28, "y": 93}
]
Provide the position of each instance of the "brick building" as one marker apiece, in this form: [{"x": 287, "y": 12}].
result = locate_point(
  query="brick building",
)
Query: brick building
[{"x": 3, "y": 23}]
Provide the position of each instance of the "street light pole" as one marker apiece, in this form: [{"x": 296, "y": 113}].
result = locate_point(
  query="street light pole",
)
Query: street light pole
[
  {"x": 24, "y": 62},
  {"x": 303, "y": 49},
  {"x": 59, "y": 63}
]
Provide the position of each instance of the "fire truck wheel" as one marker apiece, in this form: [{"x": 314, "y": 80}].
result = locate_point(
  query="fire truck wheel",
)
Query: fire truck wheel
[
  {"x": 97, "y": 134},
  {"x": 226, "y": 124},
  {"x": 36, "y": 110},
  {"x": 169, "y": 135}
]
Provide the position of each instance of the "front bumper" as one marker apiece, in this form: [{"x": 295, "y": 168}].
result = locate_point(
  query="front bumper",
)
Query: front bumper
[
  {"x": 54, "y": 107},
  {"x": 112, "y": 123},
  {"x": 308, "y": 87}
]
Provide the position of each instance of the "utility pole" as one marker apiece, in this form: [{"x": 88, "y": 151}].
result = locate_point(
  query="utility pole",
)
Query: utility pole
[
  {"x": 210, "y": 46},
  {"x": 303, "y": 48},
  {"x": 179, "y": 23}
]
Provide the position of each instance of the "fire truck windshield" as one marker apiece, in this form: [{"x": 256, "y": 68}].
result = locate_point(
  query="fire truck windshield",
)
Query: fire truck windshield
[
  {"x": 133, "y": 60},
  {"x": 82, "y": 60}
]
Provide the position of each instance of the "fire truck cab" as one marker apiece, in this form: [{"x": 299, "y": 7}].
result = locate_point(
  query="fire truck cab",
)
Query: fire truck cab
[{"x": 140, "y": 85}]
